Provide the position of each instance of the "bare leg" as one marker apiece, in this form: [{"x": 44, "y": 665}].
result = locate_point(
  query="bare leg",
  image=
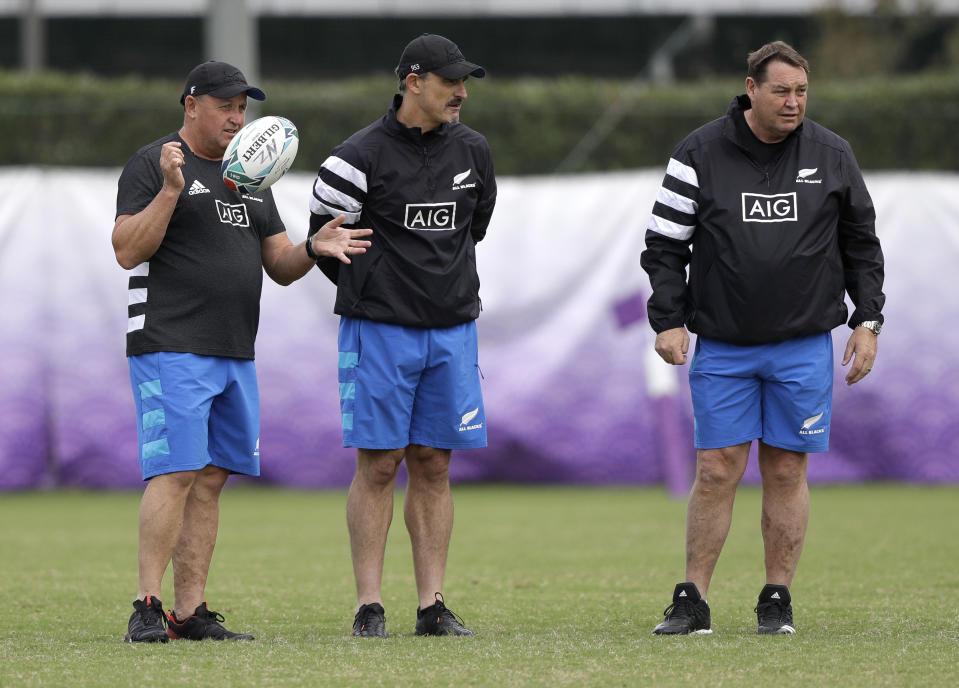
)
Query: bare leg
[
  {"x": 194, "y": 549},
  {"x": 428, "y": 512},
  {"x": 161, "y": 521},
  {"x": 709, "y": 511},
  {"x": 785, "y": 510},
  {"x": 369, "y": 512}
]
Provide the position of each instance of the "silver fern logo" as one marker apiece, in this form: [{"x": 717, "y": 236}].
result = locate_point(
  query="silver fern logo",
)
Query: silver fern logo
[
  {"x": 467, "y": 418},
  {"x": 460, "y": 178},
  {"x": 802, "y": 177},
  {"x": 810, "y": 422}
]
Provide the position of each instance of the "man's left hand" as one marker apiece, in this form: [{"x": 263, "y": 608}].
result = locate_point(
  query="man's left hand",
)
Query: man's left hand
[{"x": 861, "y": 349}]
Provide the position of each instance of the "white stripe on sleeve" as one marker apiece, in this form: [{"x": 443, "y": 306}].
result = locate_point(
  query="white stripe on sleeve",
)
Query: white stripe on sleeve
[
  {"x": 673, "y": 230},
  {"x": 320, "y": 208},
  {"x": 682, "y": 172},
  {"x": 341, "y": 168},
  {"x": 135, "y": 323},
  {"x": 327, "y": 193},
  {"x": 676, "y": 201}
]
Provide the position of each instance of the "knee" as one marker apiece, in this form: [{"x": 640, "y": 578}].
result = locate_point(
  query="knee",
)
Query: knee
[
  {"x": 784, "y": 475},
  {"x": 378, "y": 468},
  {"x": 716, "y": 468},
  {"x": 209, "y": 483},
  {"x": 180, "y": 482},
  {"x": 782, "y": 469},
  {"x": 428, "y": 464}
]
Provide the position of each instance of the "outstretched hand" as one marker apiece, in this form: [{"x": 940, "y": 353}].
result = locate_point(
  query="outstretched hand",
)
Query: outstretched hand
[
  {"x": 861, "y": 349},
  {"x": 337, "y": 242}
]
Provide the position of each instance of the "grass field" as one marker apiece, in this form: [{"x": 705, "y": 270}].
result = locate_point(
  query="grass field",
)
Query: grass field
[{"x": 564, "y": 586}]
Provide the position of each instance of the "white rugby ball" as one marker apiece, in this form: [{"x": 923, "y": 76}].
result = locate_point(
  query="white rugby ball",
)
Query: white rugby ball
[{"x": 259, "y": 154}]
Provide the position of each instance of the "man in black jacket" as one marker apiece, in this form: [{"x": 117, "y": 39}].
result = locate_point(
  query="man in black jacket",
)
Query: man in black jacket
[
  {"x": 408, "y": 368},
  {"x": 771, "y": 216}
]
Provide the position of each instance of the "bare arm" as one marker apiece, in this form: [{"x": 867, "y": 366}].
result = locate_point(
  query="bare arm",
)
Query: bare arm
[
  {"x": 137, "y": 237},
  {"x": 285, "y": 262}
]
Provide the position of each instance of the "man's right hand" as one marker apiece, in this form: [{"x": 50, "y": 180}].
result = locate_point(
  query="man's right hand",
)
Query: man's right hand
[
  {"x": 672, "y": 345},
  {"x": 171, "y": 160}
]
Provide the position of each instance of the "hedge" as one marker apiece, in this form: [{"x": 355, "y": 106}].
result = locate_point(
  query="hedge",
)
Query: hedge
[{"x": 532, "y": 125}]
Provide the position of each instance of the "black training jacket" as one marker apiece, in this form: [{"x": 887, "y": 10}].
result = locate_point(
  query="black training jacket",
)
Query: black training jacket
[
  {"x": 771, "y": 251},
  {"x": 428, "y": 199}
]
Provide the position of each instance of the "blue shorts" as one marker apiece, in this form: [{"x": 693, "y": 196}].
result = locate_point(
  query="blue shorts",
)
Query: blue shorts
[
  {"x": 410, "y": 385},
  {"x": 780, "y": 393},
  {"x": 193, "y": 411}
]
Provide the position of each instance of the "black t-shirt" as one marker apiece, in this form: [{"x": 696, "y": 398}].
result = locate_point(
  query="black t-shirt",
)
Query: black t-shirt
[
  {"x": 200, "y": 292},
  {"x": 763, "y": 153}
]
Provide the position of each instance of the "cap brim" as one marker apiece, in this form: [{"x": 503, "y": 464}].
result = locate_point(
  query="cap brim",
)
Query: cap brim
[
  {"x": 458, "y": 70},
  {"x": 236, "y": 89}
]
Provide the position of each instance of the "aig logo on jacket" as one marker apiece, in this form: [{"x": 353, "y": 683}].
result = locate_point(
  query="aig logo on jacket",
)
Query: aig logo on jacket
[
  {"x": 432, "y": 217},
  {"x": 770, "y": 208}
]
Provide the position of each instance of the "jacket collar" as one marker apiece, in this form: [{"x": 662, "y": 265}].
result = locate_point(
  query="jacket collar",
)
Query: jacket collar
[{"x": 396, "y": 127}]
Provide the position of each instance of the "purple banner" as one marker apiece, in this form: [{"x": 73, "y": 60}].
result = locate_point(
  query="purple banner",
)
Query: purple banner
[{"x": 573, "y": 391}]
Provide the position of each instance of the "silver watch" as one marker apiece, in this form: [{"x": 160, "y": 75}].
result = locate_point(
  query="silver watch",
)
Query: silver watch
[{"x": 873, "y": 325}]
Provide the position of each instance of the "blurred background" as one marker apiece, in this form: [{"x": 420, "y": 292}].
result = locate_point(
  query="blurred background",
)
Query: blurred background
[{"x": 584, "y": 101}]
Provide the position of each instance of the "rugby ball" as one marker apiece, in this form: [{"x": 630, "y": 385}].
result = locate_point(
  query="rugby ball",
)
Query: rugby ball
[{"x": 259, "y": 154}]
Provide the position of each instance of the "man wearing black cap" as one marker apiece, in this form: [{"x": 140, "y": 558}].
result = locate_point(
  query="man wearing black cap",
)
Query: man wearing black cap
[
  {"x": 408, "y": 365},
  {"x": 196, "y": 251}
]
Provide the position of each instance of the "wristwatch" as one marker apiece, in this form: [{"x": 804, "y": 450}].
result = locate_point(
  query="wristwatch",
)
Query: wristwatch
[
  {"x": 309, "y": 249},
  {"x": 873, "y": 326}
]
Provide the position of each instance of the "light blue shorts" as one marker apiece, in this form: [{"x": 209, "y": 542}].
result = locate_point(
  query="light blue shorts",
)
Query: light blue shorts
[
  {"x": 780, "y": 393},
  {"x": 193, "y": 411},
  {"x": 409, "y": 385}
]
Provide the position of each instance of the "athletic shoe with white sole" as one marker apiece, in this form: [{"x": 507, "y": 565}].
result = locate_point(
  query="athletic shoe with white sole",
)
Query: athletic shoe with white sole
[
  {"x": 370, "y": 621},
  {"x": 775, "y": 611},
  {"x": 687, "y": 615},
  {"x": 146, "y": 622},
  {"x": 203, "y": 624},
  {"x": 437, "y": 619}
]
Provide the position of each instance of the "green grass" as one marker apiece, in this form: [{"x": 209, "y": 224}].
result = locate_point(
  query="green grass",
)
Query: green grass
[{"x": 564, "y": 586}]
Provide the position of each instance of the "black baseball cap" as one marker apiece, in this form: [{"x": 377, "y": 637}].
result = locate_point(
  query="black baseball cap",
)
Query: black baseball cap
[
  {"x": 220, "y": 80},
  {"x": 433, "y": 53}
]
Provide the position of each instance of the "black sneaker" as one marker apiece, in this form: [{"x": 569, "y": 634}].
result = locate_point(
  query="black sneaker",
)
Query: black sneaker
[
  {"x": 438, "y": 620},
  {"x": 370, "y": 621},
  {"x": 688, "y": 614},
  {"x": 203, "y": 624},
  {"x": 146, "y": 623},
  {"x": 775, "y": 611}
]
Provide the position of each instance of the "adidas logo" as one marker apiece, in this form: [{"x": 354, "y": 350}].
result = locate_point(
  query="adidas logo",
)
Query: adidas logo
[
  {"x": 775, "y": 596},
  {"x": 198, "y": 188},
  {"x": 682, "y": 593}
]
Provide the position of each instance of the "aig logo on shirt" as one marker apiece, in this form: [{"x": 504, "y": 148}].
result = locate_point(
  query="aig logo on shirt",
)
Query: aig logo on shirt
[
  {"x": 233, "y": 214},
  {"x": 774, "y": 208},
  {"x": 430, "y": 216}
]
